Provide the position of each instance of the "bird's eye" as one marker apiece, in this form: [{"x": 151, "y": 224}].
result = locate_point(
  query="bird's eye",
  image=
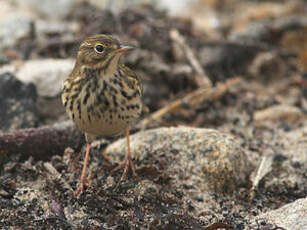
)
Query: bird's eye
[{"x": 99, "y": 49}]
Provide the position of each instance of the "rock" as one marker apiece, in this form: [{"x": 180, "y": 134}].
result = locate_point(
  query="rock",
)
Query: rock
[
  {"x": 18, "y": 103},
  {"x": 13, "y": 27},
  {"x": 224, "y": 60},
  {"x": 289, "y": 166},
  {"x": 261, "y": 30},
  {"x": 119, "y": 5},
  {"x": 252, "y": 33},
  {"x": 204, "y": 158},
  {"x": 44, "y": 27},
  {"x": 295, "y": 144},
  {"x": 4, "y": 59},
  {"x": 291, "y": 216},
  {"x": 286, "y": 177},
  {"x": 278, "y": 112},
  {"x": 56, "y": 9},
  {"x": 47, "y": 74}
]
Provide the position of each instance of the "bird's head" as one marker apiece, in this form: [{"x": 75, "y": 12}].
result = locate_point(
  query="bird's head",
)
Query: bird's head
[{"x": 101, "y": 51}]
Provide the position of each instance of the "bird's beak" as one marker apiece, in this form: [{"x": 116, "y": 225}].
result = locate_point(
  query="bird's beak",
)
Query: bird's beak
[{"x": 123, "y": 49}]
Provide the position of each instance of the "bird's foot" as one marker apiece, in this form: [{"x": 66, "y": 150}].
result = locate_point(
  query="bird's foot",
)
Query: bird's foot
[
  {"x": 84, "y": 183},
  {"x": 126, "y": 164},
  {"x": 105, "y": 156}
]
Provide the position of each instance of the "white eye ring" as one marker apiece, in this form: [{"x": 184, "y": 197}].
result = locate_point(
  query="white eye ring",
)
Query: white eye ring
[{"x": 99, "y": 49}]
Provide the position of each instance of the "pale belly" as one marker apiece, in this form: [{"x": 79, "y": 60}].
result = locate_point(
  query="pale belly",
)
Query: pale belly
[
  {"x": 104, "y": 125},
  {"x": 109, "y": 122}
]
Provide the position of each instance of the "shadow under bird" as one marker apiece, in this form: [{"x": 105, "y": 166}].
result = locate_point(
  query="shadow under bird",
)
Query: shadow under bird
[{"x": 102, "y": 96}]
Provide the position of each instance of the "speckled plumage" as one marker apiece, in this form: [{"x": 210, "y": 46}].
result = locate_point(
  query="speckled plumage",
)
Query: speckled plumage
[
  {"x": 102, "y": 100},
  {"x": 101, "y": 96}
]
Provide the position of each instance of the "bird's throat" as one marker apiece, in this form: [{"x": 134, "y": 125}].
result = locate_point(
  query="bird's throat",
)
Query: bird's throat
[
  {"x": 111, "y": 65},
  {"x": 105, "y": 68}
]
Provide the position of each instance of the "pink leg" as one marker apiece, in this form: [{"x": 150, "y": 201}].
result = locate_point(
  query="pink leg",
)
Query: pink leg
[
  {"x": 83, "y": 175},
  {"x": 127, "y": 163}
]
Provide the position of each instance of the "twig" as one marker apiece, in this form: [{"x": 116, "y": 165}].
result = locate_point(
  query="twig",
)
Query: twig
[
  {"x": 40, "y": 143},
  {"x": 201, "y": 77},
  {"x": 218, "y": 225},
  {"x": 264, "y": 168},
  {"x": 55, "y": 175},
  {"x": 192, "y": 99}
]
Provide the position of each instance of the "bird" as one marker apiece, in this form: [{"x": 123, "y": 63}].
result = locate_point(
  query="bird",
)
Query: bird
[{"x": 102, "y": 96}]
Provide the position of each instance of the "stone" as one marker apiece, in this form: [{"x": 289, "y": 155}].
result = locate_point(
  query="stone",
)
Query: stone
[
  {"x": 44, "y": 27},
  {"x": 295, "y": 144},
  {"x": 253, "y": 32},
  {"x": 223, "y": 60},
  {"x": 13, "y": 27},
  {"x": 47, "y": 74},
  {"x": 56, "y": 9},
  {"x": 289, "y": 164},
  {"x": 18, "y": 103},
  {"x": 205, "y": 158},
  {"x": 290, "y": 216}
]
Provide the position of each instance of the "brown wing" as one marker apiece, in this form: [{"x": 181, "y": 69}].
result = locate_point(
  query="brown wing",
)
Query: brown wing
[{"x": 131, "y": 78}]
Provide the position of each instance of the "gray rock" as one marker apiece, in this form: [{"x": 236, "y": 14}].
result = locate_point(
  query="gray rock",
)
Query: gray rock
[
  {"x": 17, "y": 103},
  {"x": 226, "y": 59},
  {"x": 254, "y": 32},
  {"x": 3, "y": 59},
  {"x": 13, "y": 27},
  {"x": 291, "y": 217},
  {"x": 289, "y": 166},
  {"x": 45, "y": 27},
  {"x": 56, "y": 9},
  {"x": 178, "y": 8},
  {"x": 295, "y": 144},
  {"x": 204, "y": 158},
  {"x": 283, "y": 167},
  {"x": 47, "y": 74}
]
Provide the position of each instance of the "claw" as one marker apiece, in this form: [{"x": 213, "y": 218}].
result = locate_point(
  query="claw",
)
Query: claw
[{"x": 127, "y": 163}]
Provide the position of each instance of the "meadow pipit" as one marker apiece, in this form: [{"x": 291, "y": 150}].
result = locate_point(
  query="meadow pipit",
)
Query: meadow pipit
[{"x": 101, "y": 96}]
